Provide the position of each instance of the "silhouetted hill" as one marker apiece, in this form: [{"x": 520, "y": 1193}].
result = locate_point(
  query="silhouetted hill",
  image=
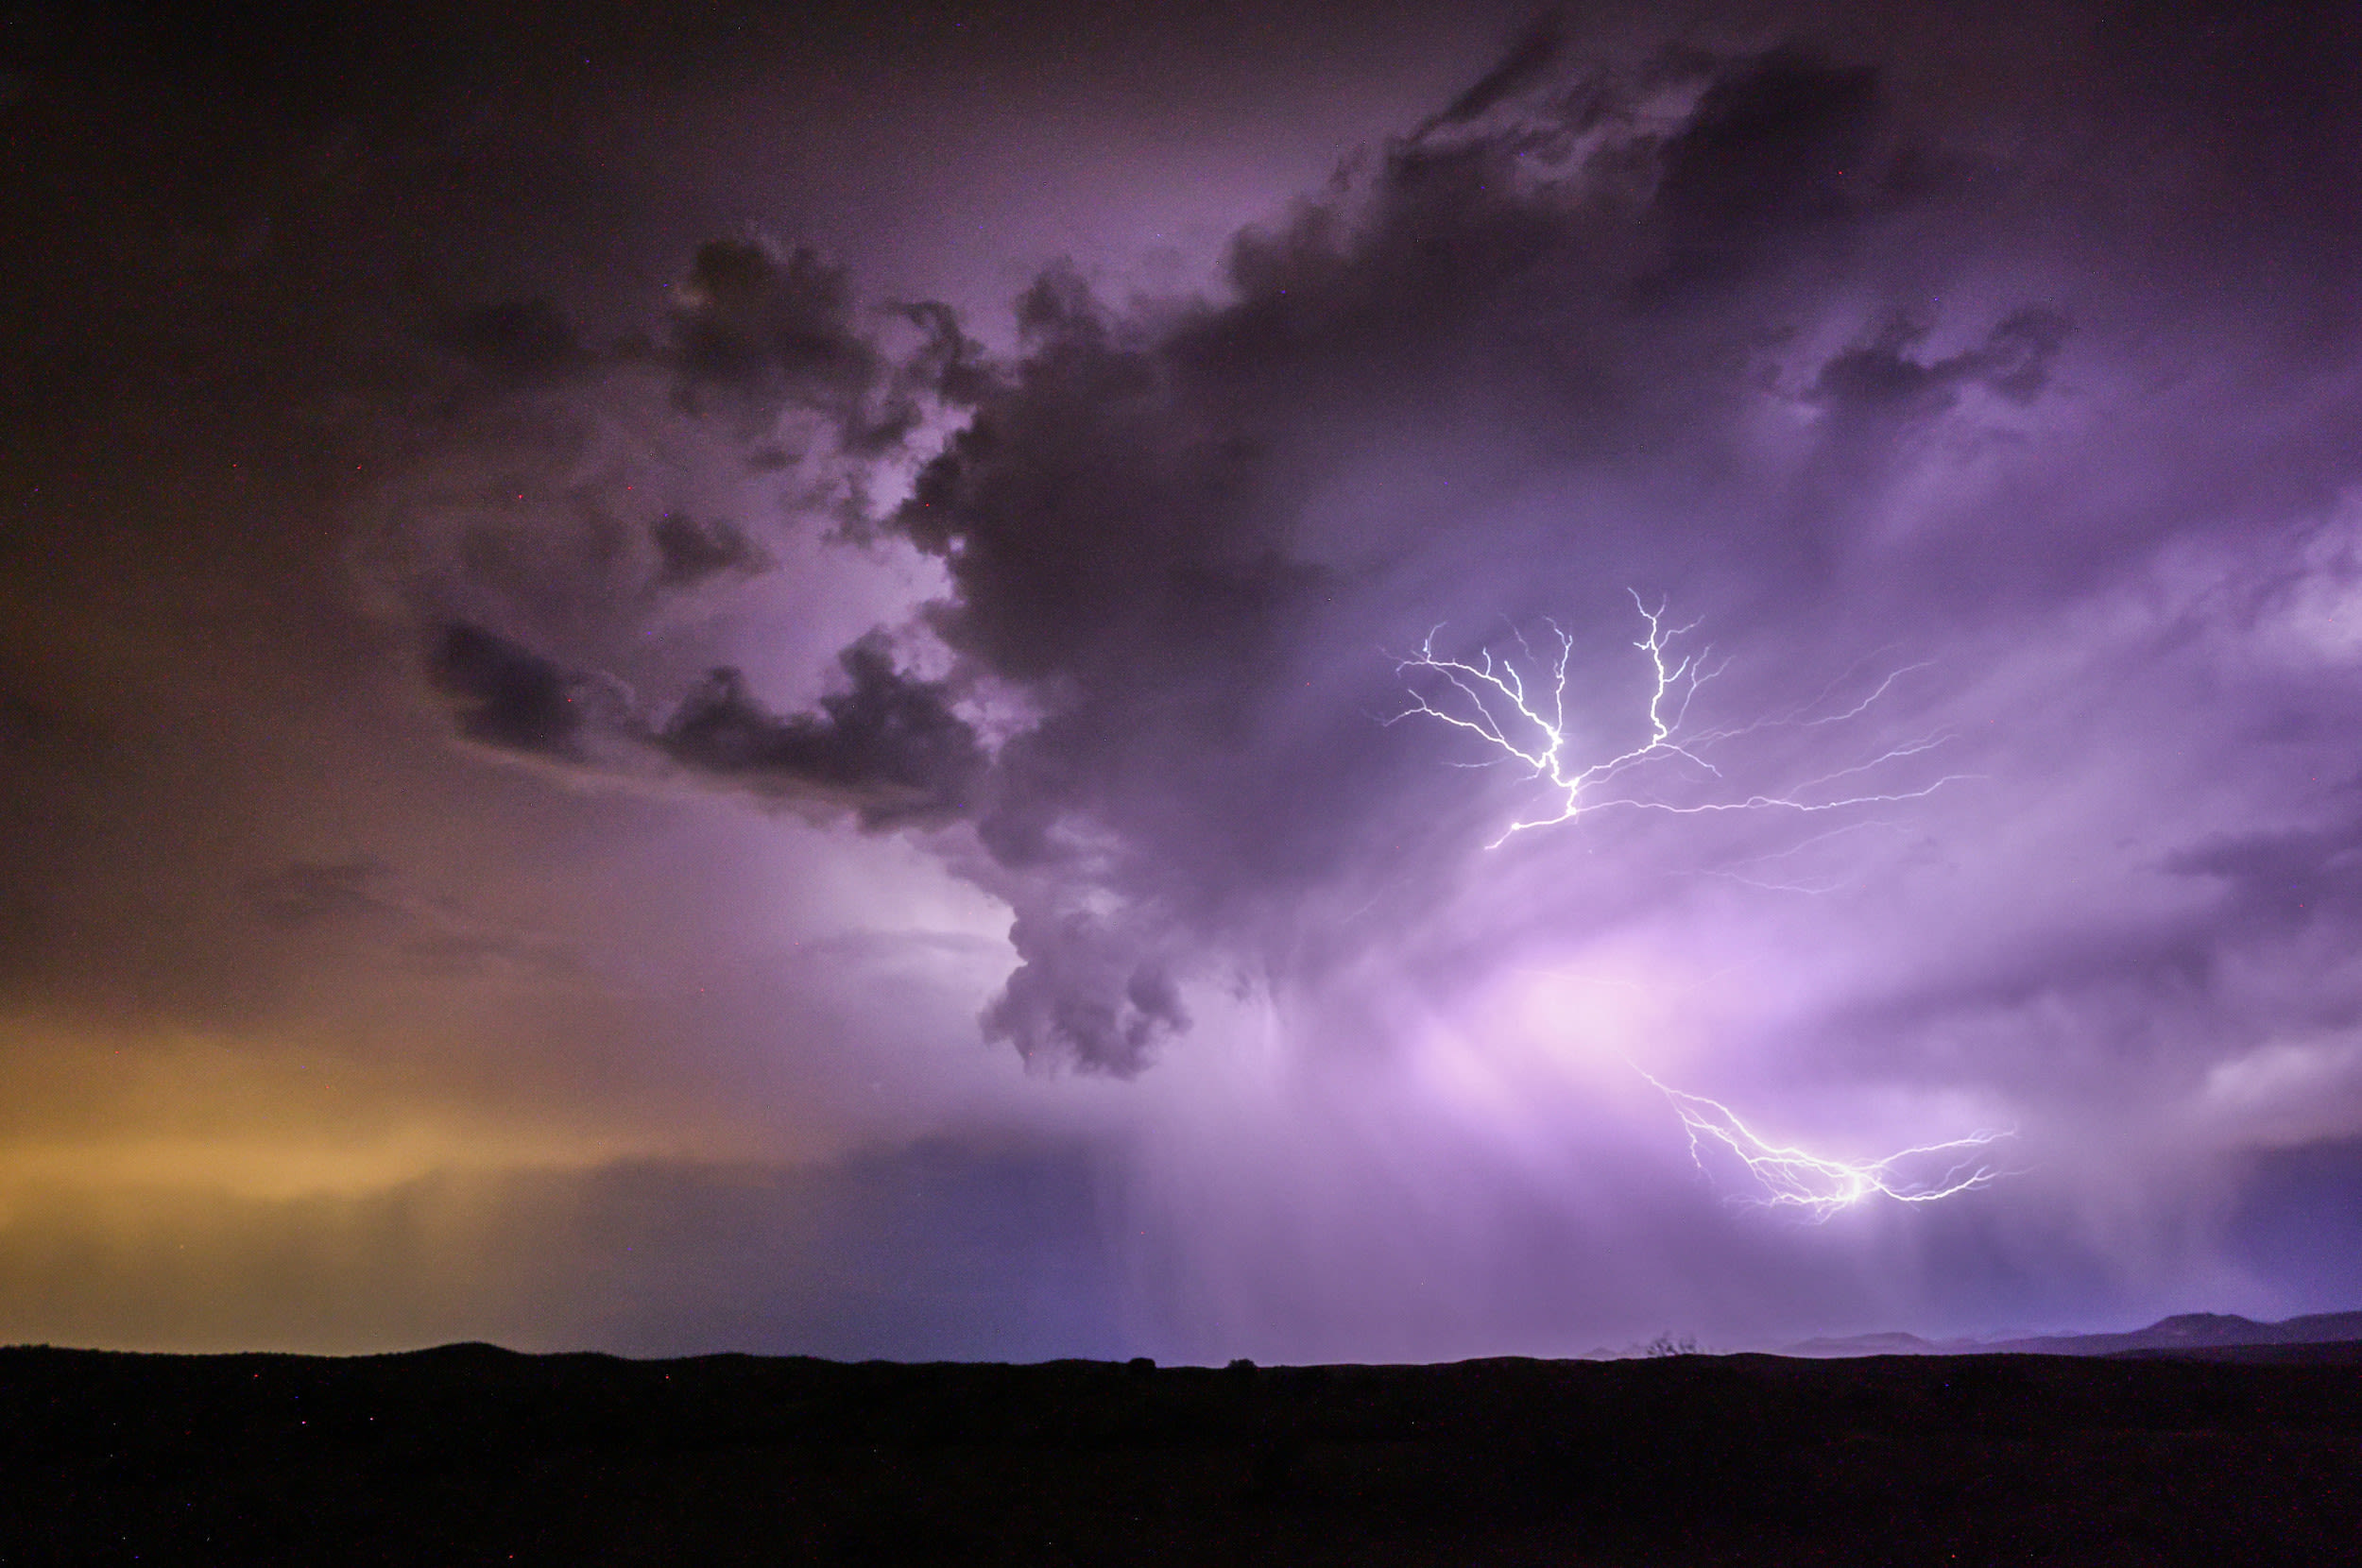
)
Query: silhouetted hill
[
  {"x": 2190, "y": 1331},
  {"x": 470, "y": 1453},
  {"x": 1877, "y": 1344},
  {"x": 2187, "y": 1332}
]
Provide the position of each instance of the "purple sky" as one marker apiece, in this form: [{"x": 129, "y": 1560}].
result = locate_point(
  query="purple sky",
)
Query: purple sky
[{"x": 728, "y": 686}]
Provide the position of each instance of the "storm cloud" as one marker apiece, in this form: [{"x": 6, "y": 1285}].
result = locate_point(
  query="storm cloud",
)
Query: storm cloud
[
  {"x": 892, "y": 742},
  {"x": 623, "y": 633},
  {"x": 1132, "y": 526},
  {"x": 1741, "y": 329}
]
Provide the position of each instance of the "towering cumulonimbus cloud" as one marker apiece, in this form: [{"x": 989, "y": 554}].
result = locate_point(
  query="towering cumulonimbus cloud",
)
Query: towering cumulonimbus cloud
[
  {"x": 1126, "y": 522},
  {"x": 602, "y": 646},
  {"x": 1812, "y": 364}
]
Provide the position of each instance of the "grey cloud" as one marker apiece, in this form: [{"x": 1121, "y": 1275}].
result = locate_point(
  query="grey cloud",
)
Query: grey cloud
[
  {"x": 2015, "y": 362},
  {"x": 1122, "y": 518},
  {"x": 2284, "y": 878},
  {"x": 1085, "y": 997},
  {"x": 771, "y": 330},
  {"x": 689, "y": 551},
  {"x": 1778, "y": 148},
  {"x": 888, "y": 744},
  {"x": 1528, "y": 59},
  {"x": 508, "y": 697}
]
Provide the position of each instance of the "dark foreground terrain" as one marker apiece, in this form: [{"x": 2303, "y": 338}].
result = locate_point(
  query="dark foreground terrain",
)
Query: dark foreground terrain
[{"x": 474, "y": 1454}]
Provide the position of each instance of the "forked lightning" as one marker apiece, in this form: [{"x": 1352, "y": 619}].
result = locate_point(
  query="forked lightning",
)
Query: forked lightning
[{"x": 1520, "y": 712}]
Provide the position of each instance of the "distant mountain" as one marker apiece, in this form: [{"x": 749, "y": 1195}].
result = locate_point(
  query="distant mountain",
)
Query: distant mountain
[
  {"x": 2196, "y": 1331},
  {"x": 2183, "y": 1332}
]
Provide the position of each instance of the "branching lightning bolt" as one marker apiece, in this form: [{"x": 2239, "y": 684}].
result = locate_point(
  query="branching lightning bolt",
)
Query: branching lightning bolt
[
  {"x": 1522, "y": 713},
  {"x": 1819, "y": 1185}
]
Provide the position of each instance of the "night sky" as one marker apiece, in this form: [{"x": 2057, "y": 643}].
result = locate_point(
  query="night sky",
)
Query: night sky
[{"x": 747, "y": 677}]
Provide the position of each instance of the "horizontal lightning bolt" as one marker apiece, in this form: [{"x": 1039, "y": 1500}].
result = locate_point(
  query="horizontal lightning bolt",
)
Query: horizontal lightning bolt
[{"x": 1820, "y": 1185}]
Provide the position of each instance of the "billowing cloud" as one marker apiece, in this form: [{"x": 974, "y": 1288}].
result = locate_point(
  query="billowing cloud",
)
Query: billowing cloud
[
  {"x": 1133, "y": 523},
  {"x": 889, "y": 743},
  {"x": 1736, "y": 327},
  {"x": 508, "y": 697},
  {"x": 774, "y": 330},
  {"x": 689, "y": 551},
  {"x": 888, "y": 746},
  {"x": 2014, "y": 361},
  {"x": 1975, "y": 399}
]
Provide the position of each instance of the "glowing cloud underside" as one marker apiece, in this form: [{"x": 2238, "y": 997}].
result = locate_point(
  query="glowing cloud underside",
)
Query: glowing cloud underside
[{"x": 1520, "y": 712}]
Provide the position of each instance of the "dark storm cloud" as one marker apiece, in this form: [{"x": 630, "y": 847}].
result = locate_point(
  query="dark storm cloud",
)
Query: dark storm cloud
[
  {"x": 1625, "y": 278},
  {"x": 507, "y": 696},
  {"x": 771, "y": 331},
  {"x": 889, "y": 744},
  {"x": 949, "y": 362},
  {"x": 1779, "y": 148},
  {"x": 2283, "y": 878},
  {"x": 578, "y": 504},
  {"x": 757, "y": 336},
  {"x": 1733, "y": 309},
  {"x": 1084, "y": 995},
  {"x": 689, "y": 551},
  {"x": 1113, "y": 547},
  {"x": 1532, "y": 54},
  {"x": 1123, "y": 525},
  {"x": 1880, "y": 376}
]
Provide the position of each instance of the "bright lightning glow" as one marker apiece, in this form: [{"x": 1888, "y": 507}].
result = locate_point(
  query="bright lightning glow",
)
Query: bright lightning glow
[
  {"x": 1819, "y": 1185},
  {"x": 1522, "y": 713}
]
